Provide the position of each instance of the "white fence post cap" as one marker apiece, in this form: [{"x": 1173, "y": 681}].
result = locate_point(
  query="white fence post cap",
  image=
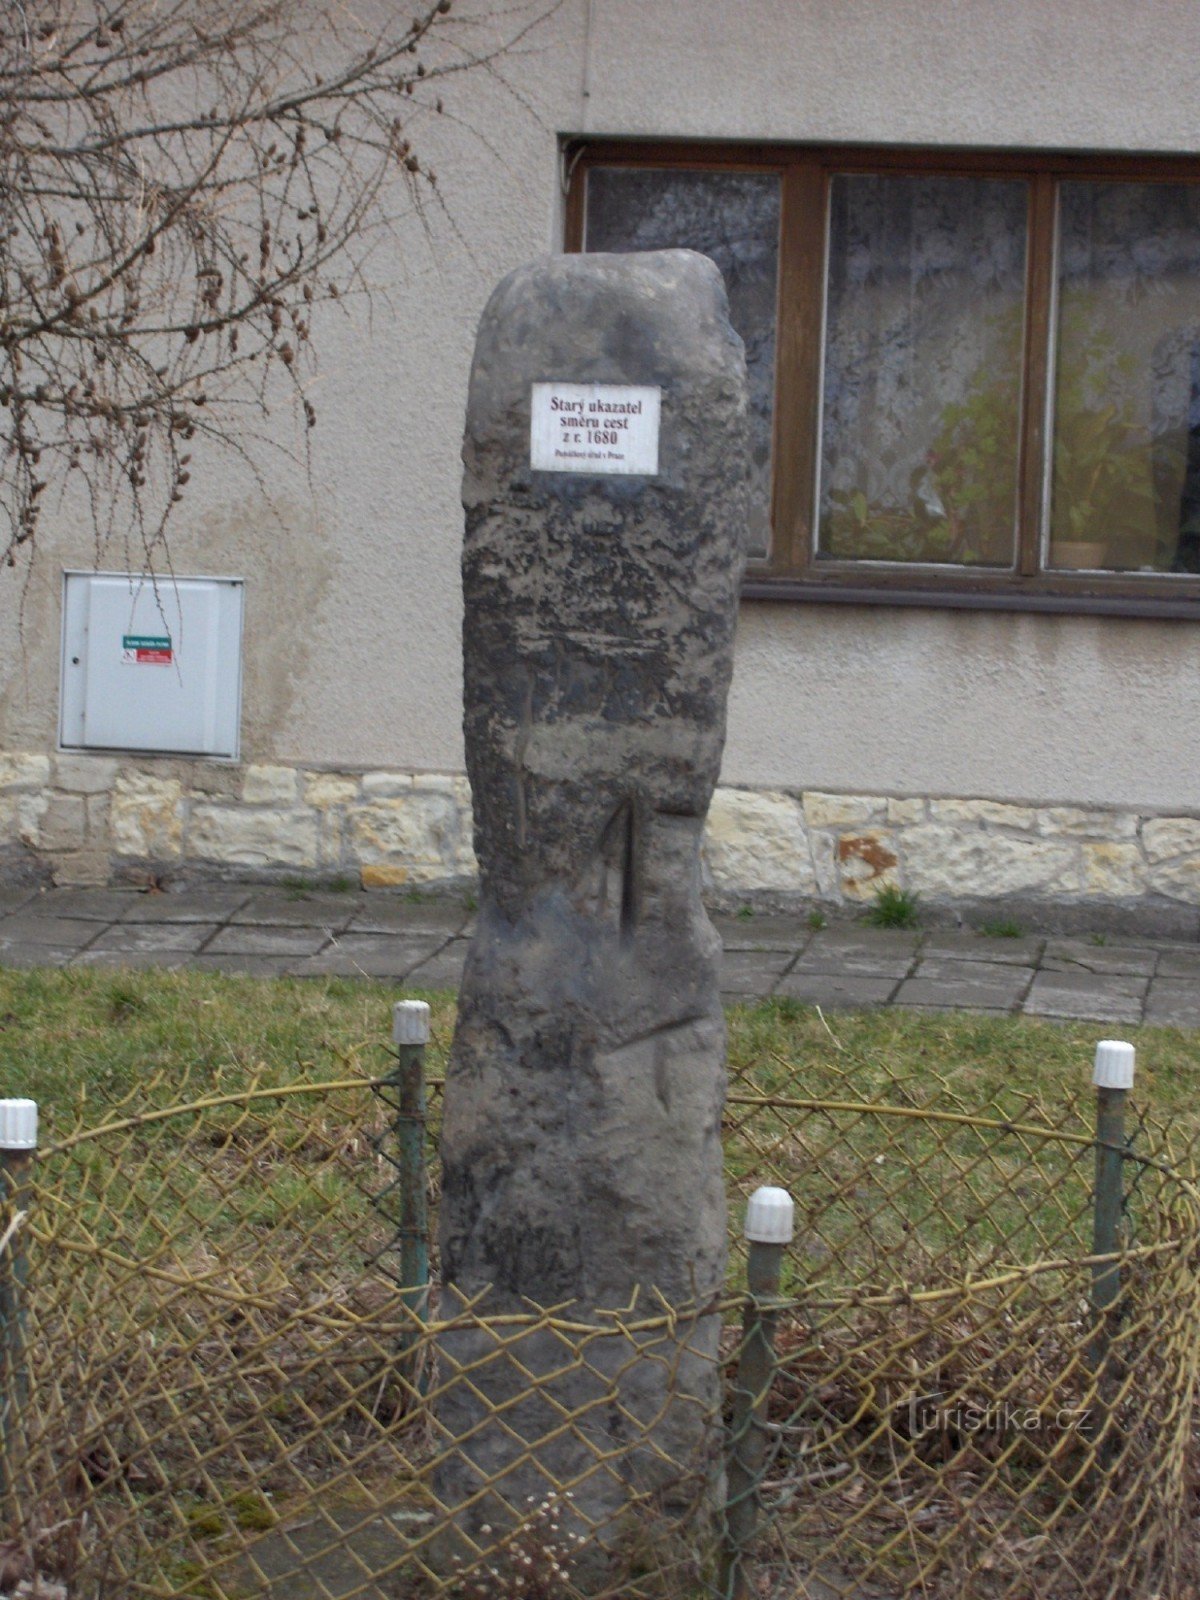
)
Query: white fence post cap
[
  {"x": 18, "y": 1124},
  {"x": 1114, "y": 1065},
  {"x": 410, "y": 1022},
  {"x": 770, "y": 1216}
]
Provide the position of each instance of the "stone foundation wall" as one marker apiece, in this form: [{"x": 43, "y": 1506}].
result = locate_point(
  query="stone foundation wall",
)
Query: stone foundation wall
[{"x": 75, "y": 819}]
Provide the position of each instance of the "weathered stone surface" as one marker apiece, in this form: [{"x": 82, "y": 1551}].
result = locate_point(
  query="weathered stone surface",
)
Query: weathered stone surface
[
  {"x": 21, "y": 771},
  {"x": 270, "y": 786},
  {"x": 1113, "y": 870},
  {"x": 146, "y": 817},
  {"x": 905, "y": 813},
  {"x": 84, "y": 774},
  {"x": 756, "y": 842},
  {"x": 253, "y": 838},
  {"x": 63, "y": 824},
  {"x": 1091, "y": 824},
  {"x": 842, "y": 810},
  {"x": 868, "y": 863},
  {"x": 1165, "y": 837},
  {"x": 992, "y": 813},
  {"x": 327, "y": 789},
  {"x": 418, "y": 831},
  {"x": 581, "y": 1143},
  {"x": 940, "y": 862}
]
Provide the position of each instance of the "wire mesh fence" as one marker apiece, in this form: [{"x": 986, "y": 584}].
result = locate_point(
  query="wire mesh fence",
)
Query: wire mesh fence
[{"x": 219, "y": 1384}]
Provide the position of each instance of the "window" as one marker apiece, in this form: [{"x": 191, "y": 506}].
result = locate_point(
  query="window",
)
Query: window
[{"x": 975, "y": 380}]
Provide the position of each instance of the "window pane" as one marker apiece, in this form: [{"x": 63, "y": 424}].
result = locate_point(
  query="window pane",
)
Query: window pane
[
  {"x": 922, "y": 376},
  {"x": 734, "y": 218},
  {"x": 1125, "y": 490}
]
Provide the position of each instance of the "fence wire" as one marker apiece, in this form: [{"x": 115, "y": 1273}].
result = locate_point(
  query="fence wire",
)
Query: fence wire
[{"x": 215, "y": 1384}]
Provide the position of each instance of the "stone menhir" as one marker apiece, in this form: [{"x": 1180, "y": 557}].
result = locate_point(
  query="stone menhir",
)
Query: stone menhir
[{"x": 581, "y": 1147}]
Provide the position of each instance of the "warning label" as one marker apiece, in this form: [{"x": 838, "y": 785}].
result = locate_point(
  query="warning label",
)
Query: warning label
[{"x": 138, "y": 650}]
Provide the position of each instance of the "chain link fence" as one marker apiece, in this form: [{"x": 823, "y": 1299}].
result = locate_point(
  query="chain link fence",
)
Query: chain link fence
[{"x": 219, "y": 1382}]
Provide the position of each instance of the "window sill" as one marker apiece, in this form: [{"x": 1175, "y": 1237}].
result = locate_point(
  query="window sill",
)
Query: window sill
[{"x": 1177, "y": 608}]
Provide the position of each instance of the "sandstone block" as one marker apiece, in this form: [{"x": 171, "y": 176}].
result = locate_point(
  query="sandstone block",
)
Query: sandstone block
[
  {"x": 905, "y": 813},
  {"x": 1080, "y": 822},
  {"x": 1166, "y": 837},
  {"x": 24, "y": 771},
  {"x": 270, "y": 786},
  {"x": 867, "y": 863},
  {"x": 755, "y": 841},
  {"x": 418, "y": 831},
  {"x": 1113, "y": 870},
  {"x": 260, "y": 838},
  {"x": 64, "y": 823},
  {"x": 383, "y": 877},
  {"x": 942, "y": 863},
  {"x": 841, "y": 810},
  {"x": 1177, "y": 877},
  {"x": 80, "y": 774},
  {"x": 324, "y": 790},
  {"x": 146, "y": 817},
  {"x": 382, "y": 784},
  {"x": 989, "y": 813}
]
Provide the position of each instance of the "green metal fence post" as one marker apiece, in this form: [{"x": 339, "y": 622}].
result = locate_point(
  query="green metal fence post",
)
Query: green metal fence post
[
  {"x": 18, "y": 1143},
  {"x": 768, "y": 1231},
  {"x": 1112, "y": 1076},
  {"x": 410, "y": 1034}
]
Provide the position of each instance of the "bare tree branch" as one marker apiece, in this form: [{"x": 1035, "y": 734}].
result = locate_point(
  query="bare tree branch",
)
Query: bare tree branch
[{"x": 181, "y": 182}]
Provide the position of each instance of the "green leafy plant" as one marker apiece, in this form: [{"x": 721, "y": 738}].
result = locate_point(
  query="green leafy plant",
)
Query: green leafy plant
[
  {"x": 894, "y": 908},
  {"x": 816, "y": 920}
]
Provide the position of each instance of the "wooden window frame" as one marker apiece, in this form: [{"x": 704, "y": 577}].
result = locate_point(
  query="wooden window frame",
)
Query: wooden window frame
[{"x": 805, "y": 173}]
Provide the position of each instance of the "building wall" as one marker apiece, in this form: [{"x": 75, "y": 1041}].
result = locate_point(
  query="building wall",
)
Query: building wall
[{"x": 353, "y": 610}]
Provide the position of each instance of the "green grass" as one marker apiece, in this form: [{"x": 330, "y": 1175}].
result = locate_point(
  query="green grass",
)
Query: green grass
[
  {"x": 1001, "y": 928},
  {"x": 84, "y": 1042},
  {"x": 894, "y": 908}
]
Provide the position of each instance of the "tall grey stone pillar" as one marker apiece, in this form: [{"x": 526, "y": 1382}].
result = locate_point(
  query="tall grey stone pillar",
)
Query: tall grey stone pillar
[{"x": 605, "y": 463}]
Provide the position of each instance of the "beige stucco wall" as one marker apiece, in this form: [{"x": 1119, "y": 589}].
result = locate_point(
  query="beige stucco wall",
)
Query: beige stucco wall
[{"x": 353, "y": 609}]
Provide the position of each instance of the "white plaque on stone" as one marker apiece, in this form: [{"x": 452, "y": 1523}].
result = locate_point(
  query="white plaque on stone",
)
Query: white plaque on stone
[{"x": 594, "y": 428}]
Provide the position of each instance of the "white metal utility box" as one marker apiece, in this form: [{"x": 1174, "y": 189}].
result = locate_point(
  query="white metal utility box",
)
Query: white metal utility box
[{"x": 151, "y": 664}]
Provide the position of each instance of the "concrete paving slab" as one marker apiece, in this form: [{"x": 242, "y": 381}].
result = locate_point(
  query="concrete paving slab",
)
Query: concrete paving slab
[
  {"x": 1176, "y": 962},
  {"x": 291, "y": 908},
  {"x": 371, "y": 955},
  {"x": 1089, "y": 997},
  {"x": 88, "y": 905},
  {"x": 941, "y": 994},
  {"x": 152, "y": 936},
  {"x": 188, "y": 905},
  {"x": 1084, "y": 955},
  {"x": 943, "y": 968},
  {"x": 24, "y": 928},
  {"x": 965, "y": 944},
  {"x": 243, "y": 966},
  {"x": 26, "y": 956},
  {"x": 387, "y": 914},
  {"x": 1174, "y": 1003},
  {"x": 836, "y": 989},
  {"x": 762, "y": 933},
  {"x": 234, "y": 940},
  {"x": 746, "y": 972},
  {"x": 830, "y": 961},
  {"x": 442, "y": 971},
  {"x": 139, "y": 960},
  {"x": 974, "y": 985}
]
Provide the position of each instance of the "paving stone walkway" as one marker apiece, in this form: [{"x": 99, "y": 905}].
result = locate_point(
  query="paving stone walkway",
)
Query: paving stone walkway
[{"x": 276, "y": 932}]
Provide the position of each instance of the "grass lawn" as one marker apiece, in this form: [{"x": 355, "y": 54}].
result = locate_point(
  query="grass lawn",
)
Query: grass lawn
[
  {"x": 924, "y": 1152},
  {"x": 96, "y": 1037}
]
